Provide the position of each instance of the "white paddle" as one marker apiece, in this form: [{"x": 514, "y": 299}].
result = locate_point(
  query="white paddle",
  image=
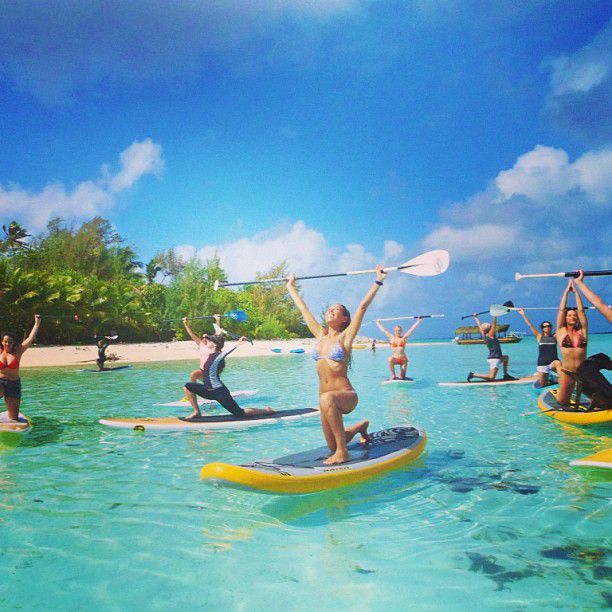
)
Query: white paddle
[
  {"x": 498, "y": 310},
  {"x": 431, "y": 263},
  {"x": 519, "y": 276}
]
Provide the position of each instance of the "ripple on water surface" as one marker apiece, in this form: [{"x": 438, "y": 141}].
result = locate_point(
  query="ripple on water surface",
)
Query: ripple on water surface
[{"x": 491, "y": 516}]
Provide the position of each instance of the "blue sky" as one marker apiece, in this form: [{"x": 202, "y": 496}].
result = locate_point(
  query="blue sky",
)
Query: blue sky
[{"x": 334, "y": 134}]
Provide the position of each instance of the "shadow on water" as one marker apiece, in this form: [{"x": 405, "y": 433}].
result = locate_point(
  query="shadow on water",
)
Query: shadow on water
[
  {"x": 44, "y": 431},
  {"x": 436, "y": 468}
]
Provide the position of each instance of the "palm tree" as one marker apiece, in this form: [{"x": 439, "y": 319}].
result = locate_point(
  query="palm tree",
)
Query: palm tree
[{"x": 14, "y": 237}]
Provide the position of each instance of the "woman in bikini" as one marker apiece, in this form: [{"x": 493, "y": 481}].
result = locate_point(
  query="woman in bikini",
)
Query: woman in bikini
[
  {"x": 10, "y": 356},
  {"x": 211, "y": 386},
  {"x": 332, "y": 355},
  {"x": 397, "y": 341},
  {"x": 548, "y": 360},
  {"x": 572, "y": 336}
]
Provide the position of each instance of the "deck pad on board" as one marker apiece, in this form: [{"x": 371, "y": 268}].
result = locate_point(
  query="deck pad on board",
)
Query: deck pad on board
[
  {"x": 397, "y": 381},
  {"x": 208, "y": 422},
  {"x": 578, "y": 415},
  {"x": 306, "y": 472},
  {"x": 480, "y": 383},
  {"x": 123, "y": 367}
]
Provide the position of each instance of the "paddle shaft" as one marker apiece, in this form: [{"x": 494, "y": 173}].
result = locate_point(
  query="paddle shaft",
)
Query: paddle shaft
[
  {"x": 476, "y": 313},
  {"x": 433, "y": 316},
  {"x": 519, "y": 276},
  {"x": 337, "y": 274}
]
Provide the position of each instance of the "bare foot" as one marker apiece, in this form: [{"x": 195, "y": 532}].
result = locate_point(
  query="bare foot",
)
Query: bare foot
[
  {"x": 362, "y": 429},
  {"x": 337, "y": 457},
  {"x": 364, "y": 436},
  {"x": 255, "y": 411},
  {"x": 193, "y": 415}
]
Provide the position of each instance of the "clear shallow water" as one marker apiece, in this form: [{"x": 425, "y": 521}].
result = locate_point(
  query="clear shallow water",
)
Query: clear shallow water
[{"x": 492, "y": 516}]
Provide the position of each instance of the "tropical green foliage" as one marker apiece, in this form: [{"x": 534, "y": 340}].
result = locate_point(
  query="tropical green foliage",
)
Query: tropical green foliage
[{"x": 86, "y": 281}]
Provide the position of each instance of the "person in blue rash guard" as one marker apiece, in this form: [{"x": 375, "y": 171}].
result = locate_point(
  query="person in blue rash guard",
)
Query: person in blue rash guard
[{"x": 212, "y": 387}]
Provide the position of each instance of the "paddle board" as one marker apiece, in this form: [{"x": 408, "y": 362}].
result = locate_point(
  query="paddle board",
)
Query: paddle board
[
  {"x": 602, "y": 460},
  {"x": 185, "y": 403},
  {"x": 123, "y": 367},
  {"x": 552, "y": 381},
  {"x": 276, "y": 350},
  {"x": 577, "y": 415},
  {"x": 207, "y": 422},
  {"x": 297, "y": 351},
  {"x": 305, "y": 472},
  {"x": 397, "y": 381},
  {"x": 479, "y": 383},
  {"x": 9, "y": 428}
]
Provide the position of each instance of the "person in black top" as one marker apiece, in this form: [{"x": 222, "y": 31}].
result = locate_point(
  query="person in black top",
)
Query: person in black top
[
  {"x": 102, "y": 345},
  {"x": 212, "y": 386},
  {"x": 496, "y": 358},
  {"x": 548, "y": 359}
]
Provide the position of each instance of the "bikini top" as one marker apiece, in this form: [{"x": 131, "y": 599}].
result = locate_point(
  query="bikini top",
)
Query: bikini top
[
  {"x": 399, "y": 342},
  {"x": 13, "y": 365},
  {"x": 336, "y": 354},
  {"x": 579, "y": 341}
]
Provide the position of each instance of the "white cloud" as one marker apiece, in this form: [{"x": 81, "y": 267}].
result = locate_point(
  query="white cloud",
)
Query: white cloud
[
  {"x": 138, "y": 159},
  {"x": 585, "y": 69},
  {"x": 581, "y": 89},
  {"x": 88, "y": 198},
  {"x": 545, "y": 214},
  {"x": 545, "y": 173},
  {"x": 307, "y": 252},
  {"x": 477, "y": 242}
]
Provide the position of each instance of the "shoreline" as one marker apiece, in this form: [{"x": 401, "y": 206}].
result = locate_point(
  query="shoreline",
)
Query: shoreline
[{"x": 184, "y": 350}]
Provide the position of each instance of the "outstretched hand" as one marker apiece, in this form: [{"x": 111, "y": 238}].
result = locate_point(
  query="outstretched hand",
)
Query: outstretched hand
[
  {"x": 580, "y": 276},
  {"x": 291, "y": 281},
  {"x": 380, "y": 273}
]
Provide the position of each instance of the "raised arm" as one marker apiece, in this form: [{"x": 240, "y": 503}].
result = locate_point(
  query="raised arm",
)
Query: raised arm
[
  {"x": 353, "y": 328},
  {"x": 414, "y": 326},
  {"x": 383, "y": 330},
  {"x": 27, "y": 343},
  {"x": 479, "y": 325},
  {"x": 217, "y": 326},
  {"x": 534, "y": 331},
  {"x": 491, "y": 333},
  {"x": 584, "y": 322},
  {"x": 590, "y": 295},
  {"x": 562, "y": 305},
  {"x": 190, "y": 332},
  {"x": 316, "y": 329}
]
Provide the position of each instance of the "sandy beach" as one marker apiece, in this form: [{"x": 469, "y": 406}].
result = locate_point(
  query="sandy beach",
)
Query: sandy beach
[{"x": 146, "y": 352}]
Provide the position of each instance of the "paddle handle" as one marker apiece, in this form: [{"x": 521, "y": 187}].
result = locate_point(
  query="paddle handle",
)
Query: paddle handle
[
  {"x": 476, "y": 313},
  {"x": 519, "y": 276}
]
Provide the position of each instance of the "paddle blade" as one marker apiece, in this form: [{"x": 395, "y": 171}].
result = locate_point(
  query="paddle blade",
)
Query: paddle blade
[
  {"x": 498, "y": 310},
  {"x": 431, "y": 263},
  {"x": 238, "y": 315}
]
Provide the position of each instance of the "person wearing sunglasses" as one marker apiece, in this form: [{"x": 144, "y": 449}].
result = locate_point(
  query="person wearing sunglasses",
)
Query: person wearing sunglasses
[{"x": 548, "y": 359}]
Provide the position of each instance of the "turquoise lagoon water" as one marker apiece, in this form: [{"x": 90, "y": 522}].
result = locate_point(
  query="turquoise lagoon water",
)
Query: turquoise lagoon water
[{"x": 492, "y": 516}]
